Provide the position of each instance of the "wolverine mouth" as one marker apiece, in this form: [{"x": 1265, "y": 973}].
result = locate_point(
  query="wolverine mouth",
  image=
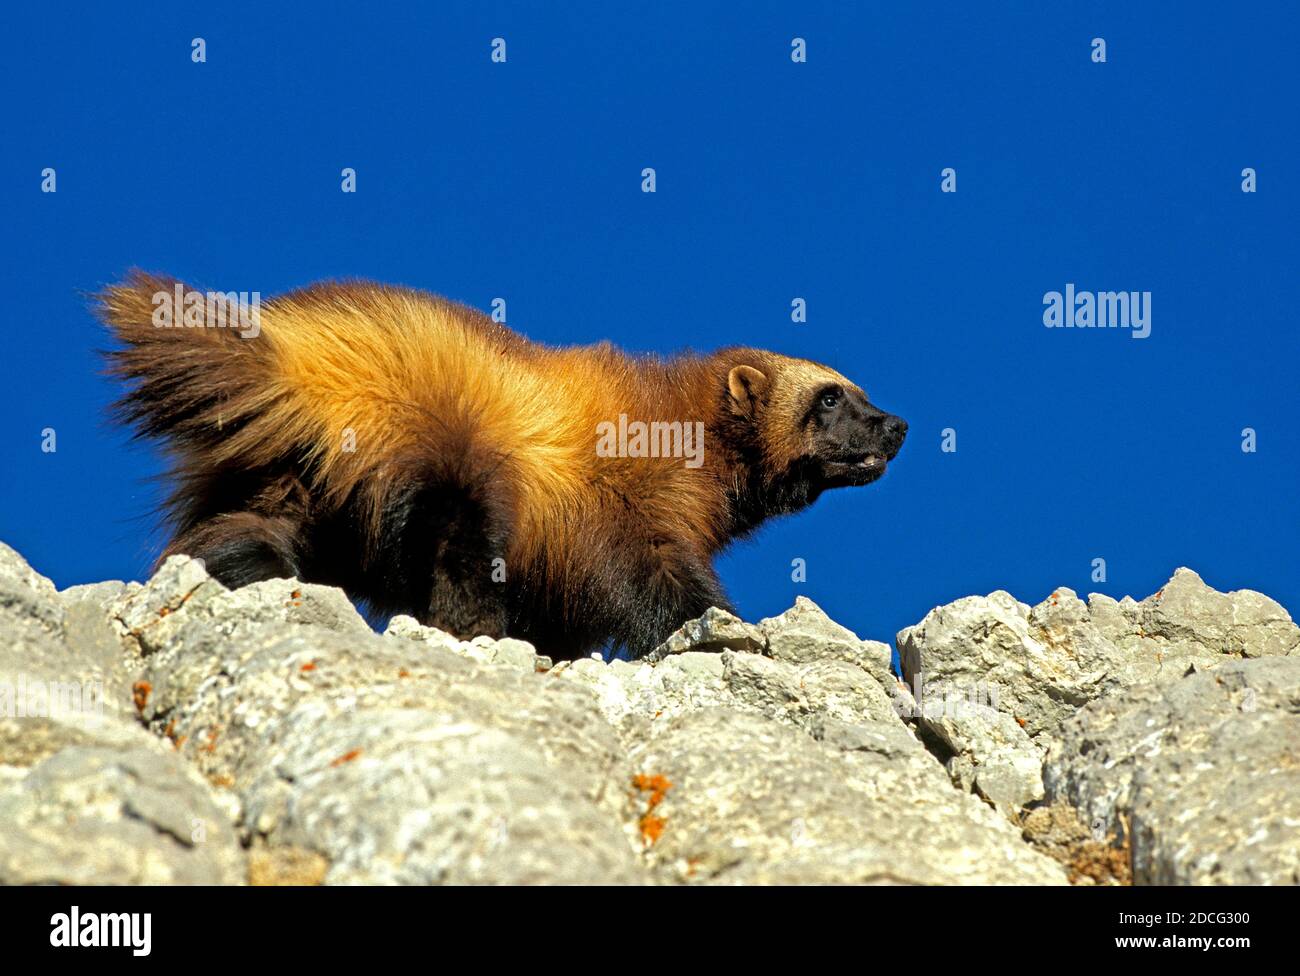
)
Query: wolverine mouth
[{"x": 860, "y": 470}]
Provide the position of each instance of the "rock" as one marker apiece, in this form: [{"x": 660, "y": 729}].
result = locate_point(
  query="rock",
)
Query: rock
[
  {"x": 815, "y": 666},
  {"x": 768, "y": 687},
  {"x": 181, "y": 602},
  {"x": 16, "y": 575},
  {"x": 885, "y": 739},
  {"x": 155, "y": 733},
  {"x": 1199, "y": 776},
  {"x": 397, "y": 761},
  {"x": 688, "y": 680},
  {"x": 512, "y": 653},
  {"x": 178, "y": 580},
  {"x": 392, "y": 797},
  {"x": 1009, "y": 778},
  {"x": 804, "y": 634},
  {"x": 616, "y": 690},
  {"x": 749, "y": 801},
  {"x": 507, "y": 651},
  {"x": 626, "y": 690},
  {"x": 716, "y": 631},
  {"x": 102, "y": 595},
  {"x": 1243, "y": 623},
  {"x": 90, "y": 634},
  {"x": 691, "y": 668},
  {"x": 982, "y": 649},
  {"x": 985, "y": 750},
  {"x": 26, "y": 741},
  {"x": 1106, "y": 661},
  {"x": 57, "y": 668},
  {"x": 268, "y": 866},
  {"x": 1037, "y": 666},
  {"x": 29, "y": 606},
  {"x": 89, "y": 797},
  {"x": 801, "y": 694},
  {"x": 408, "y": 628},
  {"x": 1057, "y": 831},
  {"x": 94, "y": 815}
]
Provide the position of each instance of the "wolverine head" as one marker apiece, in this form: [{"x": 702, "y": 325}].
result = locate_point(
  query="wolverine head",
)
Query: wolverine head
[{"x": 811, "y": 424}]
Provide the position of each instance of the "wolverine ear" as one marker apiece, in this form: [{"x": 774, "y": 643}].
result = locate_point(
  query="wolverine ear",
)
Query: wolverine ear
[{"x": 747, "y": 387}]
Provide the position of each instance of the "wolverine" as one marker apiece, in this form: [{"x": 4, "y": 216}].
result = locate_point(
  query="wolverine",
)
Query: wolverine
[{"x": 432, "y": 462}]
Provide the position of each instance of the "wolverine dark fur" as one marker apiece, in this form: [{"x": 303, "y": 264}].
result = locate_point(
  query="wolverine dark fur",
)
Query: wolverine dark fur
[{"x": 433, "y": 462}]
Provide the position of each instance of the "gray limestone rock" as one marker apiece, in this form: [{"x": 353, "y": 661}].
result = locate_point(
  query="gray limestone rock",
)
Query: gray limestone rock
[{"x": 178, "y": 732}]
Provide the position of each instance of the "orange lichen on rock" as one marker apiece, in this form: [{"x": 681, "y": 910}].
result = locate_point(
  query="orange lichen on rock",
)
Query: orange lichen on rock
[
  {"x": 140, "y": 694},
  {"x": 170, "y": 732},
  {"x": 656, "y": 786},
  {"x": 309, "y": 666},
  {"x": 652, "y": 828},
  {"x": 347, "y": 757},
  {"x": 650, "y": 825}
]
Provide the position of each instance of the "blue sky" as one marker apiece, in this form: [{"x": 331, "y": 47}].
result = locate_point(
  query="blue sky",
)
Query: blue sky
[{"x": 776, "y": 180}]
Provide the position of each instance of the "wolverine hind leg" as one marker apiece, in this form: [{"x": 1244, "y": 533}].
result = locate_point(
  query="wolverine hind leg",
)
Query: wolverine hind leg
[
  {"x": 263, "y": 541},
  {"x": 441, "y": 545},
  {"x": 239, "y": 548}
]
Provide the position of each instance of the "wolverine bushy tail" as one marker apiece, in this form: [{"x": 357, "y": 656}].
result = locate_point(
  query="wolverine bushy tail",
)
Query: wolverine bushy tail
[
  {"x": 195, "y": 379},
  {"x": 192, "y": 376}
]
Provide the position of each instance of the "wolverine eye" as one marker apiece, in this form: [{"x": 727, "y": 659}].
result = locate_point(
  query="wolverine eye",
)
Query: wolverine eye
[{"x": 830, "y": 398}]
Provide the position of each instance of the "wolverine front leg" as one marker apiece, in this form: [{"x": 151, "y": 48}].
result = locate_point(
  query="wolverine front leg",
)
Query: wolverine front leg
[
  {"x": 467, "y": 589},
  {"x": 679, "y": 585}
]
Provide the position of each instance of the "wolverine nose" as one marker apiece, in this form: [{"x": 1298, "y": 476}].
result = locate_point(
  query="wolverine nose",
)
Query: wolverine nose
[{"x": 893, "y": 430}]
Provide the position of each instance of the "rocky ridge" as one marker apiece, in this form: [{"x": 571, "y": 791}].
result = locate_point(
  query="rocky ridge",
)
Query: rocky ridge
[{"x": 178, "y": 732}]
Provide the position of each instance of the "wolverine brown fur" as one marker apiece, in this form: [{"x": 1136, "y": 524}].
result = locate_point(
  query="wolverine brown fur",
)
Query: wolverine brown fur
[{"x": 433, "y": 462}]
